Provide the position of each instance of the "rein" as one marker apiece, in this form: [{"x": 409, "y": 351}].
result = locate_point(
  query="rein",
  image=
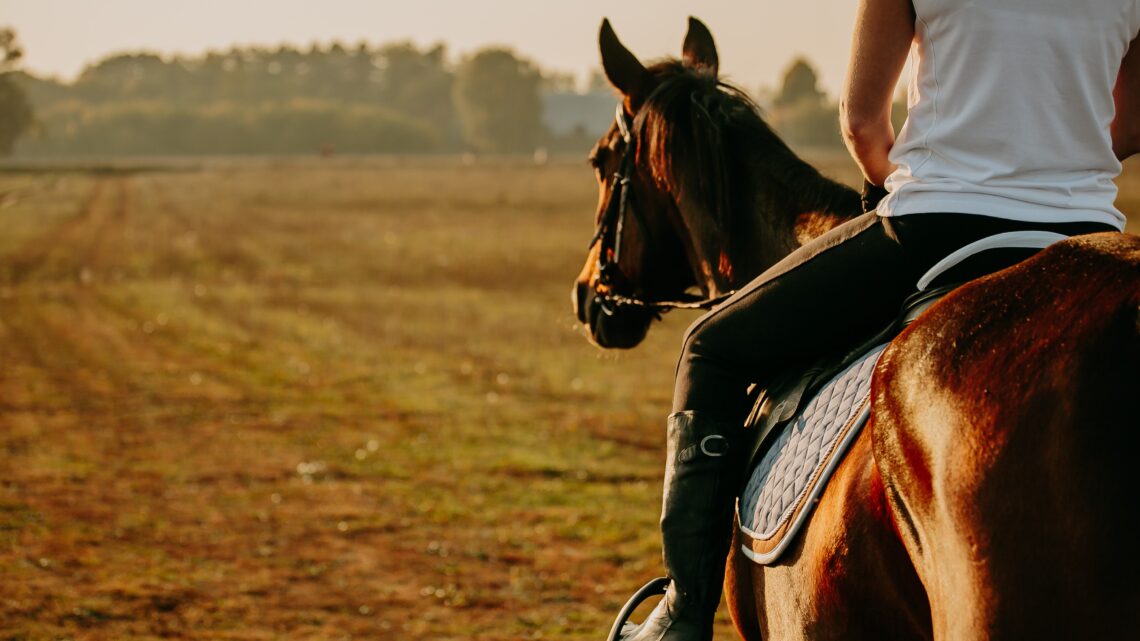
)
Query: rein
[{"x": 609, "y": 233}]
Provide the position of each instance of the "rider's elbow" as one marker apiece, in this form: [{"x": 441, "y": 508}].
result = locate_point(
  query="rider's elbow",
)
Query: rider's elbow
[
  {"x": 852, "y": 124},
  {"x": 860, "y": 129}
]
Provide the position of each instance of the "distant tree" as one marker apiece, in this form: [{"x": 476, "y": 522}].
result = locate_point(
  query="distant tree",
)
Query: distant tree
[
  {"x": 497, "y": 101},
  {"x": 417, "y": 83},
  {"x": 800, "y": 86},
  {"x": 800, "y": 110},
  {"x": 16, "y": 115},
  {"x": 127, "y": 76},
  {"x": 10, "y": 49}
]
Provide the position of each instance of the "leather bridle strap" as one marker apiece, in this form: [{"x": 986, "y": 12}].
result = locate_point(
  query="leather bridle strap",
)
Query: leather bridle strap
[{"x": 609, "y": 234}]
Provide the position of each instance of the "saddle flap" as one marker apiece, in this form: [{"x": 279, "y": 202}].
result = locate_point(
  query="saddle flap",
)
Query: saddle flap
[
  {"x": 789, "y": 403},
  {"x": 798, "y": 456}
]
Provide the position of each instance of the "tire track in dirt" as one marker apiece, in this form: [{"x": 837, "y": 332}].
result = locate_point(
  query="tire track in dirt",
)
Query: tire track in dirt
[
  {"x": 31, "y": 342},
  {"x": 70, "y": 383},
  {"x": 35, "y": 256},
  {"x": 56, "y": 401},
  {"x": 60, "y": 326},
  {"x": 74, "y": 332}
]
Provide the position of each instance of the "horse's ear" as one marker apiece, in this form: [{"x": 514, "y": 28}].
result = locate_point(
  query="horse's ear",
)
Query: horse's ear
[
  {"x": 624, "y": 71},
  {"x": 699, "y": 49}
]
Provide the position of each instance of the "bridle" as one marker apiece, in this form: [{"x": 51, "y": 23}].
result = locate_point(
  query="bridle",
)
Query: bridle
[{"x": 609, "y": 233}]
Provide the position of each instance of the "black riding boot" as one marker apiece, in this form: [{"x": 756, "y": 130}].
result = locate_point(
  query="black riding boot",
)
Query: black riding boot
[{"x": 701, "y": 479}]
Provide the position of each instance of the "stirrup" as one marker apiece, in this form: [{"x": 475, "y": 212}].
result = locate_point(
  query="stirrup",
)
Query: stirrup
[{"x": 656, "y": 587}]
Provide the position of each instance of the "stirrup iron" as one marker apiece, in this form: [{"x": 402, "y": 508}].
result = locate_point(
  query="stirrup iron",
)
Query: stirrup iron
[{"x": 656, "y": 587}]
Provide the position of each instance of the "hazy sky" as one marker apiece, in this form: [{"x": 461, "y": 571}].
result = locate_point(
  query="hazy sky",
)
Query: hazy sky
[{"x": 756, "y": 38}]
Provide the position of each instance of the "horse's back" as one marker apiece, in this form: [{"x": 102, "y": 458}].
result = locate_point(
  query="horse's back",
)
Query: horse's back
[{"x": 1005, "y": 431}]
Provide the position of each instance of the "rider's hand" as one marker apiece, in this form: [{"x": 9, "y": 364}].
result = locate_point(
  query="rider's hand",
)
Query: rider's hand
[{"x": 871, "y": 195}]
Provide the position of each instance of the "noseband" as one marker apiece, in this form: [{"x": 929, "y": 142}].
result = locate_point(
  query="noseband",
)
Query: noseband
[{"x": 609, "y": 232}]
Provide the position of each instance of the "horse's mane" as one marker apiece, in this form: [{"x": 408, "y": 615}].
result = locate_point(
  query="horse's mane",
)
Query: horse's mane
[{"x": 710, "y": 132}]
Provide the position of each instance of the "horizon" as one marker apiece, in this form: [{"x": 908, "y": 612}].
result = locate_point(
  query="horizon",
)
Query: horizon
[{"x": 754, "y": 52}]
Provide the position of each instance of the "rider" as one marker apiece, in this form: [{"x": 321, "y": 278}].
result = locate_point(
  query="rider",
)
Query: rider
[{"x": 1019, "y": 114}]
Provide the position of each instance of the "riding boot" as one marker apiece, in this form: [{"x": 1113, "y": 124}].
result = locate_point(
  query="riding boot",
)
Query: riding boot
[{"x": 701, "y": 481}]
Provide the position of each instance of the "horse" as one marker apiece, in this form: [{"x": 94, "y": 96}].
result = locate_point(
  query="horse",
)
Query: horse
[{"x": 989, "y": 495}]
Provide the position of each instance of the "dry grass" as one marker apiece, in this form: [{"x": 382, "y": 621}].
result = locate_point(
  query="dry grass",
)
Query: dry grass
[
  {"x": 315, "y": 401},
  {"x": 325, "y": 400}
]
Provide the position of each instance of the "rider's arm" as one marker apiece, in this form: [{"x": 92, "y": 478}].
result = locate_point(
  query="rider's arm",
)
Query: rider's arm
[
  {"x": 1126, "y": 125},
  {"x": 884, "y": 30}
]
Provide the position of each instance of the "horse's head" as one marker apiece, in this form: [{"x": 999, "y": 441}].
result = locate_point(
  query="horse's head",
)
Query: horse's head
[{"x": 662, "y": 190}]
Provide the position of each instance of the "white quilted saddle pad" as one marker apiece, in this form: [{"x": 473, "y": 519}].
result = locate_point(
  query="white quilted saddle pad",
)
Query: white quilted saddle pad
[{"x": 793, "y": 471}]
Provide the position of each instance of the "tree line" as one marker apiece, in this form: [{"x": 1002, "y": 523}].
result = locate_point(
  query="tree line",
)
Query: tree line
[
  {"x": 16, "y": 113},
  {"x": 389, "y": 98}
]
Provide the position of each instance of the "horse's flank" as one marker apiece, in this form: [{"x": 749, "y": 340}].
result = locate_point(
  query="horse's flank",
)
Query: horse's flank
[{"x": 1005, "y": 428}]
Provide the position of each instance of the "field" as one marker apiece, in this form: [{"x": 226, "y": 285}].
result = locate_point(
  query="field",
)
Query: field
[{"x": 318, "y": 400}]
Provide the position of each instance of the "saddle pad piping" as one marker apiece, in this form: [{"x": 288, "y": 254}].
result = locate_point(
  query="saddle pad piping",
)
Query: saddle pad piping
[{"x": 815, "y": 489}]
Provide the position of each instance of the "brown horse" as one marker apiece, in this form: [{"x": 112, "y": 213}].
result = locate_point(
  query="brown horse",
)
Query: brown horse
[{"x": 990, "y": 497}]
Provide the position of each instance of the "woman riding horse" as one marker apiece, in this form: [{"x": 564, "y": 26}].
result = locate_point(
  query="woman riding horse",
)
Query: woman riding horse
[{"x": 1020, "y": 112}]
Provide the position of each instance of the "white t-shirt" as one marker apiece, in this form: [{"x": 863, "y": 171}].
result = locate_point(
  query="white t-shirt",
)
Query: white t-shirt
[{"x": 1010, "y": 106}]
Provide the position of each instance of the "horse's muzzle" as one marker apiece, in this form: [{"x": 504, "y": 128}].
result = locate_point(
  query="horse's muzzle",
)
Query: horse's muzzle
[{"x": 619, "y": 328}]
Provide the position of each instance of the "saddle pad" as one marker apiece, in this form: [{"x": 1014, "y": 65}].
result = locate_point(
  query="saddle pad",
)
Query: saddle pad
[{"x": 794, "y": 469}]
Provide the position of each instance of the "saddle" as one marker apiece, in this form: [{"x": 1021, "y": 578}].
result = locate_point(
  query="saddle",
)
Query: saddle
[{"x": 802, "y": 425}]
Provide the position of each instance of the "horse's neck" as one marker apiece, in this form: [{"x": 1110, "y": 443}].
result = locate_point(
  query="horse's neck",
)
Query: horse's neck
[
  {"x": 786, "y": 204},
  {"x": 792, "y": 203}
]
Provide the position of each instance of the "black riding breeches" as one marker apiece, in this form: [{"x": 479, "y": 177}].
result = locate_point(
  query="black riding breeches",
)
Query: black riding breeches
[{"x": 838, "y": 289}]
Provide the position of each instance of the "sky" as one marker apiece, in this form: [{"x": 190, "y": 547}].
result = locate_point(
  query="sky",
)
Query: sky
[{"x": 756, "y": 39}]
